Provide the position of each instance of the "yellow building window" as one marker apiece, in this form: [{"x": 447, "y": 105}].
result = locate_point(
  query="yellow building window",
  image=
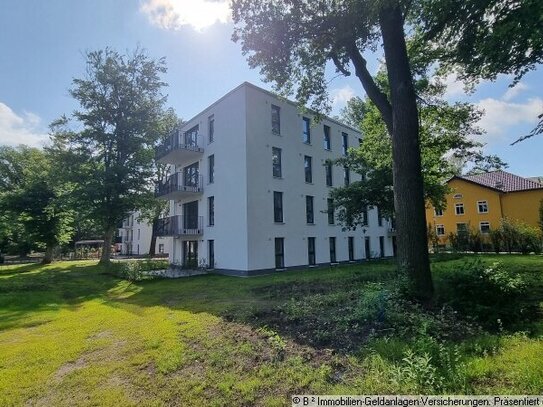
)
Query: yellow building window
[
  {"x": 482, "y": 206},
  {"x": 484, "y": 227},
  {"x": 459, "y": 208}
]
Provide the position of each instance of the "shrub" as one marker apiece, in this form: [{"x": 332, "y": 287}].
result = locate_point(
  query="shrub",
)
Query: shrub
[
  {"x": 136, "y": 270},
  {"x": 488, "y": 294}
]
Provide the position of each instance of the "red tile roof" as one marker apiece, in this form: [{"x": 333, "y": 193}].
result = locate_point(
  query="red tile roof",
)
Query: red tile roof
[{"x": 502, "y": 181}]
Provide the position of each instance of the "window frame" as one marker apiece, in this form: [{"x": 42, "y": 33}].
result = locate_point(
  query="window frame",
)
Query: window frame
[
  {"x": 457, "y": 206},
  {"x": 344, "y": 143},
  {"x": 311, "y": 251},
  {"x": 276, "y": 121},
  {"x": 328, "y": 171},
  {"x": 438, "y": 227},
  {"x": 327, "y": 138},
  {"x": 330, "y": 211},
  {"x": 308, "y": 169},
  {"x": 211, "y": 210},
  {"x": 279, "y": 254},
  {"x": 278, "y": 216},
  {"x": 436, "y": 214},
  {"x": 333, "y": 249},
  {"x": 481, "y": 203},
  {"x": 277, "y": 165},
  {"x": 486, "y": 223},
  {"x": 211, "y": 129},
  {"x": 211, "y": 169},
  {"x": 306, "y": 130},
  {"x": 310, "y": 209}
]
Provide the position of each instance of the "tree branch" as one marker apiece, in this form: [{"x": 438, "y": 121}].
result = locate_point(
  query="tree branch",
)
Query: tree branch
[{"x": 374, "y": 93}]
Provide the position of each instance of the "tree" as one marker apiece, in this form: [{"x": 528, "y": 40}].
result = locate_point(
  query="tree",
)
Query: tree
[
  {"x": 292, "y": 41},
  {"x": 447, "y": 132},
  {"x": 483, "y": 38},
  {"x": 111, "y": 159},
  {"x": 33, "y": 200}
]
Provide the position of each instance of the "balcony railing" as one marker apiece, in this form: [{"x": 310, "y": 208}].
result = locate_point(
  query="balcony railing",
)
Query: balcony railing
[
  {"x": 178, "y": 186},
  {"x": 179, "y": 146},
  {"x": 180, "y": 225}
]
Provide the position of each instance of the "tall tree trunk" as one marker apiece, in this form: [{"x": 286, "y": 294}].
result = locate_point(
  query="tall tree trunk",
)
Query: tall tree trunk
[
  {"x": 152, "y": 247},
  {"x": 48, "y": 257},
  {"x": 106, "y": 248},
  {"x": 407, "y": 175}
]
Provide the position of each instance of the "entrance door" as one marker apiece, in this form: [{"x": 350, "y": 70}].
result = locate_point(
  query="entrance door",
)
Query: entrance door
[{"x": 190, "y": 253}]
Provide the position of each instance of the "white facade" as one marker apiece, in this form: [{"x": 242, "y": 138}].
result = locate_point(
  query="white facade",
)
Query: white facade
[
  {"x": 136, "y": 237},
  {"x": 236, "y": 131}
]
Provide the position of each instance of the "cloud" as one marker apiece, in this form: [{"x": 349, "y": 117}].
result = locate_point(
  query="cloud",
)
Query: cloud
[
  {"x": 513, "y": 92},
  {"x": 340, "y": 96},
  {"x": 20, "y": 129},
  {"x": 502, "y": 116},
  {"x": 453, "y": 86},
  {"x": 175, "y": 14}
]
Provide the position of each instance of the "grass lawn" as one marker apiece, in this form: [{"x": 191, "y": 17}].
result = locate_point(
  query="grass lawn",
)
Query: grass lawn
[{"x": 71, "y": 334}]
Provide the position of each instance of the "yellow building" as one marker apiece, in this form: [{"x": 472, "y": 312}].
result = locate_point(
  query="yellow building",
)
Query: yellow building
[{"x": 481, "y": 201}]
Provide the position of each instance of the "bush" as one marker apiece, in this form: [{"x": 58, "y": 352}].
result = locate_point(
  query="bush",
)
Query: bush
[
  {"x": 517, "y": 236},
  {"x": 135, "y": 270},
  {"x": 489, "y": 294}
]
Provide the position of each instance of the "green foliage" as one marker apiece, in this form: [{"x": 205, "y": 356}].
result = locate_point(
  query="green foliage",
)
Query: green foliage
[
  {"x": 491, "y": 295},
  {"x": 110, "y": 161},
  {"x": 517, "y": 236},
  {"x": 541, "y": 215},
  {"x": 447, "y": 134},
  {"x": 35, "y": 204},
  {"x": 136, "y": 270}
]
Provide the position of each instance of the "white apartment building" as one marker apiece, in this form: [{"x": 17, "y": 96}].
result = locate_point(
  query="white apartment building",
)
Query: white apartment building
[
  {"x": 136, "y": 237},
  {"x": 249, "y": 189}
]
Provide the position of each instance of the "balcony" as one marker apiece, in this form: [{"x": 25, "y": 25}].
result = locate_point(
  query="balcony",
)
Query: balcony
[
  {"x": 180, "y": 225},
  {"x": 178, "y": 186},
  {"x": 180, "y": 147}
]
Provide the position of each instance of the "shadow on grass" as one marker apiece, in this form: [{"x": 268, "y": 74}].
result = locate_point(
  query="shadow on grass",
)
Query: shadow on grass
[{"x": 30, "y": 290}]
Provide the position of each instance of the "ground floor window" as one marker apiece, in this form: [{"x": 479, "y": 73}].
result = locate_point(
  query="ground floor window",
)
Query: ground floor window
[
  {"x": 484, "y": 227},
  {"x": 351, "y": 248},
  {"x": 381, "y": 246},
  {"x": 161, "y": 248},
  {"x": 440, "y": 230},
  {"x": 211, "y": 253},
  {"x": 279, "y": 253}
]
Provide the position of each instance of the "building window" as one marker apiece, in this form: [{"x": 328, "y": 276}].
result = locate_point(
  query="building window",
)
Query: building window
[
  {"x": 211, "y": 168},
  {"x": 311, "y": 257},
  {"x": 211, "y": 129},
  {"x": 365, "y": 216},
  {"x": 344, "y": 143},
  {"x": 381, "y": 246},
  {"x": 308, "y": 169},
  {"x": 438, "y": 212},
  {"x": 351, "y": 248},
  {"x": 457, "y": 196},
  {"x": 330, "y": 211},
  {"x": 277, "y": 207},
  {"x": 346, "y": 176},
  {"x": 309, "y": 213},
  {"x": 484, "y": 227},
  {"x": 459, "y": 208},
  {"x": 191, "y": 136},
  {"x": 482, "y": 206},
  {"x": 139, "y": 234},
  {"x": 328, "y": 169},
  {"x": 211, "y": 253},
  {"x": 440, "y": 230},
  {"x": 461, "y": 228},
  {"x": 161, "y": 248},
  {"x": 332, "y": 249},
  {"x": 379, "y": 217},
  {"x": 276, "y": 119},
  {"x": 211, "y": 210},
  {"x": 191, "y": 176},
  {"x": 276, "y": 158},
  {"x": 306, "y": 136},
  {"x": 327, "y": 142},
  {"x": 279, "y": 253},
  {"x": 367, "y": 247}
]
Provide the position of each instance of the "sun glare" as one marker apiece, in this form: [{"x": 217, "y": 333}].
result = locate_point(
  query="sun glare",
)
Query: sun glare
[{"x": 174, "y": 14}]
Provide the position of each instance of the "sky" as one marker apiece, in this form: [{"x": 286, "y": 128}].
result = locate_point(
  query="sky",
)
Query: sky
[{"x": 42, "y": 47}]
